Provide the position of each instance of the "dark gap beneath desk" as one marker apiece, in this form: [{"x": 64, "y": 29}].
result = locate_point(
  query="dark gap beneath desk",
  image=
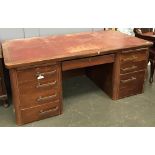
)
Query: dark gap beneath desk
[{"x": 101, "y": 75}]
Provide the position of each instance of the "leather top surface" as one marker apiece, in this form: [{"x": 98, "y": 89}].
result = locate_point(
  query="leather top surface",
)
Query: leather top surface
[{"x": 28, "y": 51}]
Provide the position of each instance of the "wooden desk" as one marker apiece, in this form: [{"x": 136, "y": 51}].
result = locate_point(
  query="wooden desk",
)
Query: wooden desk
[
  {"x": 150, "y": 36},
  {"x": 115, "y": 61}
]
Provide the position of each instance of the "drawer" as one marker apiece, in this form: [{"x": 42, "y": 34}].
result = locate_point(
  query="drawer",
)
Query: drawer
[
  {"x": 32, "y": 95},
  {"x": 132, "y": 57},
  {"x": 132, "y": 79},
  {"x": 131, "y": 84},
  {"x": 129, "y": 91},
  {"x": 40, "y": 112},
  {"x": 86, "y": 62},
  {"x": 133, "y": 66},
  {"x": 42, "y": 74}
]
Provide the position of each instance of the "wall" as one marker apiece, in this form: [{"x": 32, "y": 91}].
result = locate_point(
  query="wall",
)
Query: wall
[{"x": 15, "y": 33}]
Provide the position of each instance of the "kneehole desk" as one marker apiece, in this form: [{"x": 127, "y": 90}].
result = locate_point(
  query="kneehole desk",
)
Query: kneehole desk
[{"x": 116, "y": 62}]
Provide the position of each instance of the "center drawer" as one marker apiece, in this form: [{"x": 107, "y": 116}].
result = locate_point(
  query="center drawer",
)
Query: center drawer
[{"x": 86, "y": 62}]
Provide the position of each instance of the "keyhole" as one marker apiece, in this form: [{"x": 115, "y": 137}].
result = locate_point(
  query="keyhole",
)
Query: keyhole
[{"x": 40, "y": 77}]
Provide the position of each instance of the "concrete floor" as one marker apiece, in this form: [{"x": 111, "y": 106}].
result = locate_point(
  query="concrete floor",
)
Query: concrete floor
[{"x": 86, "y": 105}]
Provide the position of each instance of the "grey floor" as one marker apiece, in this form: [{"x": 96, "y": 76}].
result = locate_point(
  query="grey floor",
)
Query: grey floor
[{"x": 86, "y": 105}]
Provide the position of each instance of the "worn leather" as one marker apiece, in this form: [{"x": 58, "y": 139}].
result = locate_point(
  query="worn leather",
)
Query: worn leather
[{"x": 28, "y": 51}]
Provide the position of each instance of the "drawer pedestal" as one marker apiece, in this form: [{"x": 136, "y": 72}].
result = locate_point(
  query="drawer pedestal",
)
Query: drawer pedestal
[
  {"x": 125, "y": 77},
  {"x": 37, "y": 92},
  {"x": 133, "y": 66}
]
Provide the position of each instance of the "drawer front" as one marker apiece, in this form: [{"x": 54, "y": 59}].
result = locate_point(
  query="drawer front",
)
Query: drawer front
[
  {"x": 133, "y": 57},
  {"x": 134, "y": 90},
  {"x": 42, "y": 74},
  {"x": 131, "y": 84},
  {"x": 132, "y": 79},
  {"x": 30, "y": 95},
  {"x": 40, "y": 112},
  {"x": 86, "y": 62},
  {"x": 133, "y": 66}
]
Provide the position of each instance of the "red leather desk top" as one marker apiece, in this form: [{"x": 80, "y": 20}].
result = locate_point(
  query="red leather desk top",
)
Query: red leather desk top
[{"x": 23, "y": 52}]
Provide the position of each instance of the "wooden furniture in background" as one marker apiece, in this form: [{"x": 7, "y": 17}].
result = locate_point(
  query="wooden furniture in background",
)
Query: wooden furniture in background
[
  {"x": 3, "y": 94},
  {"x": 148, "y": 34},
  {"x": 116, "y": 62},
  {"x": 114, "y": 29}
]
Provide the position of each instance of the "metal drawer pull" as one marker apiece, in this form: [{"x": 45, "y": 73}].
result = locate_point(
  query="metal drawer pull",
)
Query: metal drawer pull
[
  {"x": 130, "y": 58},
  {"x": 129, "y": 68},
  {"x": 46, "y": 84},
  {"x": 48, "y": 111},
  {"x": 46, "y": 73},
  {"x": 40, "y": 99},
  {"x": 128, "y": 80},
  {"x": 2, "y": 97}
]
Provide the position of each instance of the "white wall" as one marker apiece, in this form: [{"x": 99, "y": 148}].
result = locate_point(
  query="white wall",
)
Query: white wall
[
  {"x": 11, "y": 33},
  {"x": 15, "y": 33}
]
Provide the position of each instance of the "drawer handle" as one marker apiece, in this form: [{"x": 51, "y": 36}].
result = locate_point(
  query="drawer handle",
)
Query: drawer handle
[
  {"x": 46, "y": 73},
  {"x": 130, "y": 58},
  {"x": 128, "y": 80},
  {"x": 3, "y": 97},
  {"x": 41, "y": 99},
  {"x": 48, "y": 111},
  {"x": 46, "y": 84},
  {"x": 129, "y": 68}
]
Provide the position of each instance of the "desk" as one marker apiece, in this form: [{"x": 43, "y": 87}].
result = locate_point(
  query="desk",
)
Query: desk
[
  {"x": 150, "y": 36},
  {"x": 115, "y": 61}
]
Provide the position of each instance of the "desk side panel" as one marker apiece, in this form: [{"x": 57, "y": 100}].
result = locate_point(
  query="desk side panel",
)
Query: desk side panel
[{"x": 15, "y": 95}]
